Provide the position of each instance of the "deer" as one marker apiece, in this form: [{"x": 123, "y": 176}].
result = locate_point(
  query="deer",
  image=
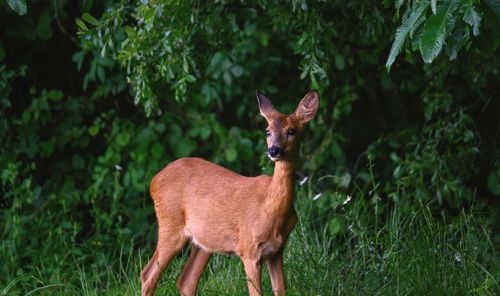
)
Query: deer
[{"x": 219, "y": 211}]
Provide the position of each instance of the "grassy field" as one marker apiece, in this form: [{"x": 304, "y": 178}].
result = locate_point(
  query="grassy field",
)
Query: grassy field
[{"x": 412, "y": 255}]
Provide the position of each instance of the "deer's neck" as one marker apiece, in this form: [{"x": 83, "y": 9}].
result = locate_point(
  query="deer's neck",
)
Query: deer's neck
[{"x": 281, "y": 191}]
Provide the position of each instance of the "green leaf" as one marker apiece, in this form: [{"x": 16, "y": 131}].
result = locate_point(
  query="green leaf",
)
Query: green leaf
[
  {"x": 417, "y": 27},
  {"x": 415, "y": 41},
  {"x": 402, "y": 32},
  {"x": 472, "y": 18},
  {"x": 433, "y": 6},
  {"x": 468, "y": 135},
  {"x": 130, "y": 32},
  {"x": 43, "y": 28},
  {"x": 93, "y": 130},
  {"x": 264, "y": 39},
  {"x": 246, "y": 149},
  {"x": 434, "y": 32},
  {"x": 56, "y": 94},
  {"x": 456, "y": 41},
  {"x": 81, "y": 24},
  {"x": 335, "y": 225},
  {"x": 184, "y": 147},
  {"x": 160, "y": 127},
  {"x": 205, "y": 132},
  {"x": 174, "y": 134},
  {"x": 399, "y": 3},
  {"x": 123, "y": 138},
  {"x": 231, "y": 154},
  {"x": 339, "y": 62},
  {"x": 47, "y": 148},
  {"x": 336, "y": 150},
  {"x": 237, "y": 71},
  {"x": 19, "y": 6},
  {"x": 5, "y": 103},
  {"x": 90, "y": 19},
  {"x": 77, "y": 162},
  {"x": 78, "y": 58},
  {"x": 157, "y": 150},
  {"x": 100, "y": 74},
  {"x": 185, "y": 65}
]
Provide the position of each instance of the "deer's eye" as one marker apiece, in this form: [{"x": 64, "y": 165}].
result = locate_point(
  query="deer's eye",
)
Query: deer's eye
[
  {"x": 291, "y": 132},
  {"x": 268, "y": 133}
]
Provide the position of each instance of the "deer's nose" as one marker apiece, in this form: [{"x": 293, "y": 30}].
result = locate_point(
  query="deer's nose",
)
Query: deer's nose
[{"x": 274, "y": 151}]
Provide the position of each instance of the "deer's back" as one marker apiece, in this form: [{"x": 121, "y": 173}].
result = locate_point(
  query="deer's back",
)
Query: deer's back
[{"x": 213, "y": 200}]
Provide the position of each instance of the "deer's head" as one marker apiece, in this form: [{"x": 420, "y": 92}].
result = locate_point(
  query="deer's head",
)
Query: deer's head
[{"x": 285, "y": 131}]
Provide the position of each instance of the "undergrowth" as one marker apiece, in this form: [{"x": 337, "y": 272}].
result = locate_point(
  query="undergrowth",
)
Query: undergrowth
[{"x": 417, "y": 254}]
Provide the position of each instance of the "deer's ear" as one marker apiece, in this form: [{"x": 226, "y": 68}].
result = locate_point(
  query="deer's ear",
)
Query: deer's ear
[
  {"x": 265, "y": 105},
  {"x": 308, "y": 106}
]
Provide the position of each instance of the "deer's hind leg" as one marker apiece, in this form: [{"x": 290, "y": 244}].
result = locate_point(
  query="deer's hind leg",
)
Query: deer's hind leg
[
  {"x": 171, "y": 240},
  {"x": 198, "y": 260}
]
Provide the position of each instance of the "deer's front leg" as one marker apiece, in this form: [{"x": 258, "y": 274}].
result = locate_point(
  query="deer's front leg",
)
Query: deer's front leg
[
  {"x": 253, "y": 269},
  {"x": 275, "y": 265}
]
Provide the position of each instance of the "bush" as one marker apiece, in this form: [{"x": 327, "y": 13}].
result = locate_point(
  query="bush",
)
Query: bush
[{"x": 96, "y": 97}]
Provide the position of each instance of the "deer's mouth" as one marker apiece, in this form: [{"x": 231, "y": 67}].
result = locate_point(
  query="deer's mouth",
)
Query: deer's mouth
[{"x": 276, "y": 157}]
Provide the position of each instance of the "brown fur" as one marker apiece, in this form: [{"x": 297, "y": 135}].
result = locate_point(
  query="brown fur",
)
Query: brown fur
[{"x": 220, "y": 211}]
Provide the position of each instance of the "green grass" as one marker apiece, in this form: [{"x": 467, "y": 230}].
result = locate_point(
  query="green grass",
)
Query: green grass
[{"x": 413, "y": 255}]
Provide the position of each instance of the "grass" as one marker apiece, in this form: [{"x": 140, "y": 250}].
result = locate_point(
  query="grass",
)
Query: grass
[{"x": 413, "y": 255}]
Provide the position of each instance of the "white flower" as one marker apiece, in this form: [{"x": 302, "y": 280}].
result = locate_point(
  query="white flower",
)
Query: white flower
[
  {"x": 303, "y": 181},
  {"x": 317, "y": 196},
  {"x": 349, "y": 197},
  {"x": 118, "y": 167}
]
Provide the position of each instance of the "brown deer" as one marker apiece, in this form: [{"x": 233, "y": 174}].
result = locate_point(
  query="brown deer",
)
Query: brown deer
[{"x": 220, "y": 211}]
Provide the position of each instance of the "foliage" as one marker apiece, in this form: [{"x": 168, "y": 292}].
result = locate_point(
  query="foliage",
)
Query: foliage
[
  {"x": 453, "y": 21},
  {"x": 97, "y": 96},
  {"x": 19, "y": 6}
]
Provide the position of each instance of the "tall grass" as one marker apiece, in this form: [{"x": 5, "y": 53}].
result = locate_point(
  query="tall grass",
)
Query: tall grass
[{"x": 416, "y": 254}]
